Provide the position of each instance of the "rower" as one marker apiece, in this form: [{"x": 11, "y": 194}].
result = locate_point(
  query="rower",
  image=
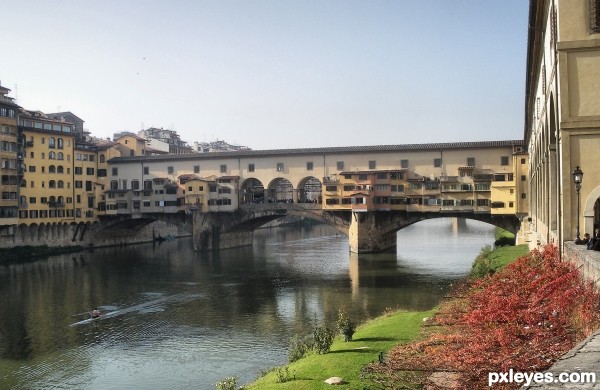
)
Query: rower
[{"x": 96, "y": 313}]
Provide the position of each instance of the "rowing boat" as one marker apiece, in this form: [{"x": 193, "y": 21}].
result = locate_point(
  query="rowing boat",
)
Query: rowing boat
[{"x": 100, "y": 317}]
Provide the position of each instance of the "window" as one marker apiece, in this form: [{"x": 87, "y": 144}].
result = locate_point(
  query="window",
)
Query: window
[
  {"x": 60, "y": 156},
  {"x": 503, "y": 160},
  {"x": 61, "y": 184},
  {"x": 60, "y": 143},
  {"x": 101, "y": 172},
  {"x": 403, "y": 163},
  {"x": 340, "y": 165},
  {"x": 196, "y": 168},
  {"x": 78, "y": 170},
  {"x": 279, "y": 167},
  {"x": 250, "y": 167},
  {"x": 51, "y": 142},
  {"x": 115, "y": 171},
  {"x": 522, "y": 161},
  {"x": 89, "y": 171},
  {"x": 52, "y": 156},
  {"x": 52, "y": 184},
  {"x": 102, "y": 159},
  {"x": 146, "y": 171},
  {"x": 170, "y": 170},
  {"x": 32, "y": 199},
  {"x": 223, "y": 168},
  {"x": 372, "y": 164},
  {"x": 32, "y": 168},
  {"x": 437, "y": 162},
  {"x": 595, "y": 16},
  {"x": 114, "y": 184},
  {"x": 309, "y": 166},
  {"x": 523, "y": 195},
  {"x": 470, "y": 161},
  {"x": 523, "y": 178},
  {"x": 330, "y": 188},
  {"x": 79, "y": 184},
  {"x": 135, "y": 184}
]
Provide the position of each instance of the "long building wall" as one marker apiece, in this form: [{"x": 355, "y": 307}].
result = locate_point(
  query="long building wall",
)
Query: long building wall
[{"x": 562, "y": 122}]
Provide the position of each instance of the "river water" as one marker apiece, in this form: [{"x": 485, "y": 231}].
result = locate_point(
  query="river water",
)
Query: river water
[{"x": 186, "y": 320}]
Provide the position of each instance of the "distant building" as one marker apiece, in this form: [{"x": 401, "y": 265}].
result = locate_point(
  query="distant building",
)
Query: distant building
[
  {"x": 217, "y": 146},
  {"x": 165, "y": 140}
]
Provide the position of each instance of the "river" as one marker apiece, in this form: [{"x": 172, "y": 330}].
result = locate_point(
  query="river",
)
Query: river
[{"x": 186, "y": 320}]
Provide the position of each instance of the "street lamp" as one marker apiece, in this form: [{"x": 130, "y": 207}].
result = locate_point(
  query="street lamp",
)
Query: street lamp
[{"x": 577, "y": 178}]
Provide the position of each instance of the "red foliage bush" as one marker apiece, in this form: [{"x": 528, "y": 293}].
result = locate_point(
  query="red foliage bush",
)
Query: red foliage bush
[{"x": 523, "y": 317}]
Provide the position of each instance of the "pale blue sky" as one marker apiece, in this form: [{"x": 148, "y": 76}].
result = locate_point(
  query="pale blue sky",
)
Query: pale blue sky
[{"x": 274, "y": 74}]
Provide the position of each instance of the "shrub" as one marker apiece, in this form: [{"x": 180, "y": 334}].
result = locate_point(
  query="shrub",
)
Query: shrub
[
  {"x": 484, "y": 264},
  {"x": 299, "y": 347},
  {"x": 227, "y": 383},
  {"x": 283, "y": 374},
  {"x": 523, "y": 317},
  {"x": 323, "y": 337},
  {"x": 345, "y": 326}
]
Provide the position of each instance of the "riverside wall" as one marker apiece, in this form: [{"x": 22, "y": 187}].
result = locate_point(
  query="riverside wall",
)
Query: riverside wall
[
  {"x": 587, "y": 261},
  {"x": 86, "y": 235}
]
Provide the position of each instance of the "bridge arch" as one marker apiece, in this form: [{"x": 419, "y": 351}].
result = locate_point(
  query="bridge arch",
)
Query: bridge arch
[
  {"x": 280, "y": 190},
  {"x": 309, "y": 190},
  {"x": 252, "y": 191}
]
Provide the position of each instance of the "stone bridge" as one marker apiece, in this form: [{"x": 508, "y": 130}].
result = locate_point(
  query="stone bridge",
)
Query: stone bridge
[{"x": 373, "y": 231}]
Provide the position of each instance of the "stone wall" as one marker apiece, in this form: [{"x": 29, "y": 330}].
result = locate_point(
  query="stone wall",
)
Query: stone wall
[
  {"x": 587, "y": 261},
  {"x": 86, "y": 235}
]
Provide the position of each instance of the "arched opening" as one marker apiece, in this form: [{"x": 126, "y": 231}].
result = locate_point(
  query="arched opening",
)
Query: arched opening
[
  {"x": 591, "y": 212},
  {"x": 309, "y": 190},
  {"x": 253, "y": 192},
  {"x": 280, "y": 191}
]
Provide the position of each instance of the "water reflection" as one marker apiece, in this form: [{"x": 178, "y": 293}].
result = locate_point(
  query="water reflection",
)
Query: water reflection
[{"x": 190, "y": 319}]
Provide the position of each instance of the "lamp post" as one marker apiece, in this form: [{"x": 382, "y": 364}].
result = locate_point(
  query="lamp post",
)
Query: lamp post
[{"x": 577, "y": 178}]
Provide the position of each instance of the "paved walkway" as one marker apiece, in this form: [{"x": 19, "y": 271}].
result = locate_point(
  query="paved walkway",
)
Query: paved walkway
[{"x": 585, "y": 357}]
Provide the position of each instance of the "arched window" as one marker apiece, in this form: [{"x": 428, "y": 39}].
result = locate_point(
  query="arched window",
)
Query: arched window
[
  {"x": 60, "y": 156},
  {"x": 61, "y": 200},
  {"x": 61, "y": 184},
  {"x": 51, "y": 142},
  {"x": 52, "y": 200},
  {"x": 60, "y": 143},
  {"x": 102, "y": 158},
  {"x": 51, "y": 169},
  {"x": 59, "y": 169},
  {"x": 52, "y": 184},
  {"x": 52, "y": 156},
  {"x": 22, "y": 201}
]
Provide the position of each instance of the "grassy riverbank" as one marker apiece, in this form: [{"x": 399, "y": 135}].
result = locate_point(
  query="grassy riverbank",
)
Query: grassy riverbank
[{"x": 346, "y": 359}]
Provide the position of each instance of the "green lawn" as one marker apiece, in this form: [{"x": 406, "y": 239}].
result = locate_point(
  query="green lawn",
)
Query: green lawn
[{"x": 346, "y": 359}]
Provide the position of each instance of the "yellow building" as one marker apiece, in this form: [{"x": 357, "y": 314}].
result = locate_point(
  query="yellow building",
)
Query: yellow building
[
  {"x": 47, "y": 193},
  {"x": 11, "y": 160}
]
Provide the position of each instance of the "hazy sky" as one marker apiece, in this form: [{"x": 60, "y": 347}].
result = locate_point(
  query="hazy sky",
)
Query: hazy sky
[{"x": 277, "y": 73}]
